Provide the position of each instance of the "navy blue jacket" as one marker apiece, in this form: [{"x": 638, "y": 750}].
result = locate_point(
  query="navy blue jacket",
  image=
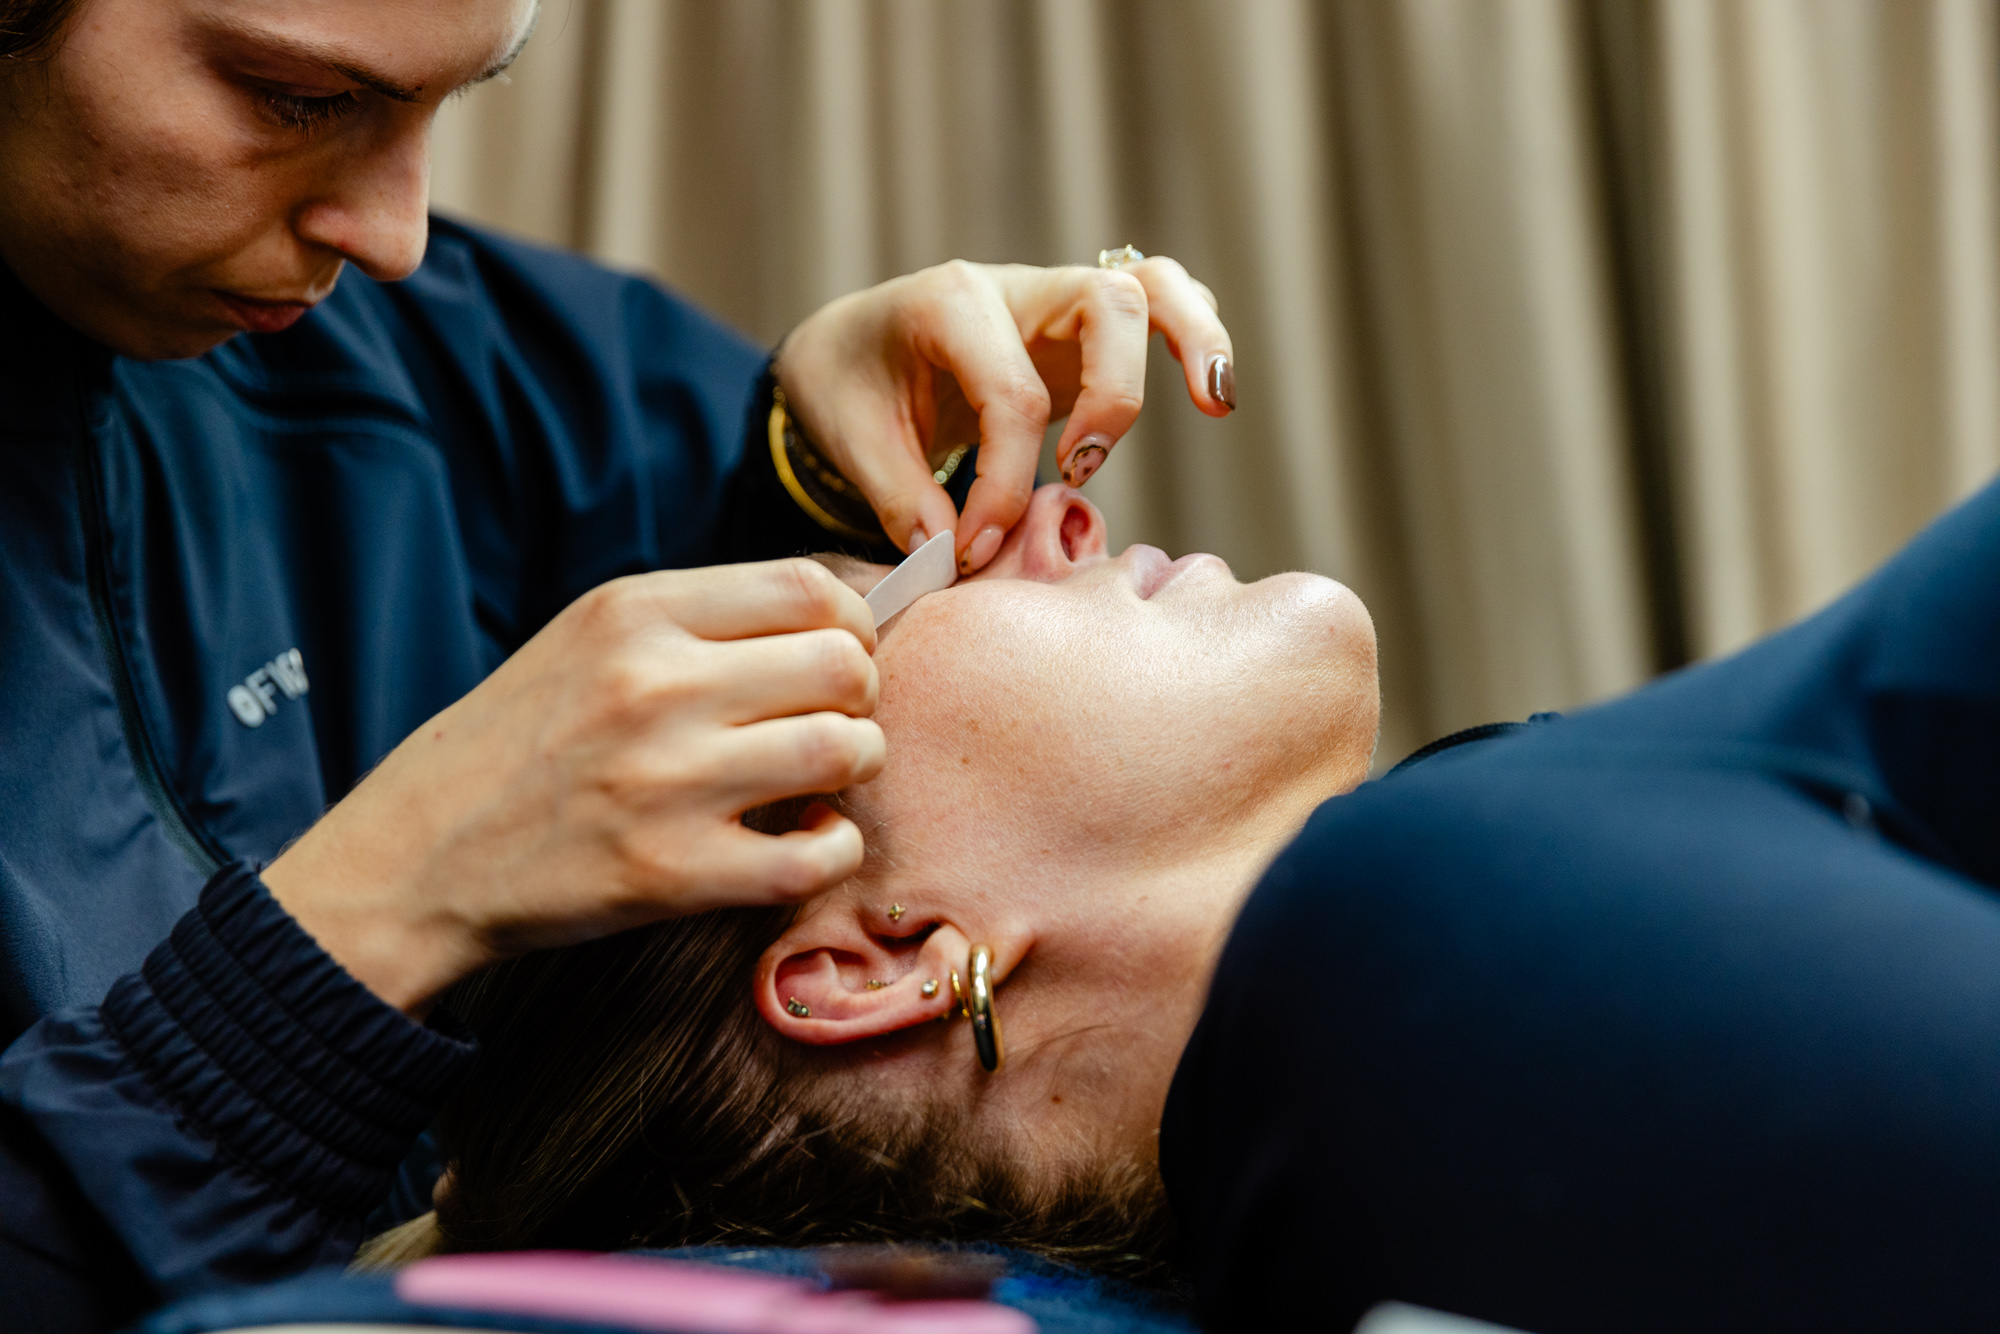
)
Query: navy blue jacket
[
  {"x": 228, "y": 586},
  {"x": 1682, "y": 1013}
]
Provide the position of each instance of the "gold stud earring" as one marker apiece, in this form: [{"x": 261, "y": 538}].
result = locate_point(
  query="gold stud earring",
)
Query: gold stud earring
[
  {"x": 895, "y": 912},
  {"x": 873, "y": 985},
  {"x": 929, "y": 989},
  {"x": 798, "y": 1008}
]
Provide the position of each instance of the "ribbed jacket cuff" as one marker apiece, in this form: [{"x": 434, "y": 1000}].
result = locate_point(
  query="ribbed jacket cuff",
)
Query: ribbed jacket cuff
[{"x": 262, "y": 1042}]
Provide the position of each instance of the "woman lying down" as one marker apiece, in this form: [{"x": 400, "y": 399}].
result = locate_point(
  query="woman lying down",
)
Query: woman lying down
[{"x": 1683, "y": 1012}]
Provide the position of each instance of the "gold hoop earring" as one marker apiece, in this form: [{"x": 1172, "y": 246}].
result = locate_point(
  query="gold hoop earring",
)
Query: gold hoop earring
[{"x": 986, "y": 1039}]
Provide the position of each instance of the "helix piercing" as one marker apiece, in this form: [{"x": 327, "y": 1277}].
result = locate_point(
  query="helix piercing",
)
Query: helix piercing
[{"x": 798, "y": 1008}]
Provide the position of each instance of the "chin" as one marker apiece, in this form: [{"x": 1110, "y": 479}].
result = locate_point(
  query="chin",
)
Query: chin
[
  {"x": 1327, "y": 631},
  {"x": 157, "y": 336},
  {"x": 180, "y": 346},
  {"x": 1319, "y": 605}
]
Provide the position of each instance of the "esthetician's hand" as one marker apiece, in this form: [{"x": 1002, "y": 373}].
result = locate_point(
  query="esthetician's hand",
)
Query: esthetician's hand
[
  {"x": 594, "y": 782},
  {"x": 883, "y": 380}
]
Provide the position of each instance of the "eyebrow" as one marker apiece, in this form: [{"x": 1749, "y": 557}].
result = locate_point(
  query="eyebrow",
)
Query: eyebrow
[{"x": 329, "y": 57}]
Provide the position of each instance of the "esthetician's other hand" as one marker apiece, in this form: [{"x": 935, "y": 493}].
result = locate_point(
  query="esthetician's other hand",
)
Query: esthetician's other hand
[
  {"x": 884, "y": 379},
  {"x": 594, "y": 782}
]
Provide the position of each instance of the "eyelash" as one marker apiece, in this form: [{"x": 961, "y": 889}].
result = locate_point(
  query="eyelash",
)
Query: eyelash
[{"x": 308, "y": 113}]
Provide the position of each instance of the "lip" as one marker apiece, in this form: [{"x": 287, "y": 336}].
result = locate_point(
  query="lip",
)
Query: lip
[
  {"x": 1152, "y": 571},
  {"x": 257, "y": 315}
]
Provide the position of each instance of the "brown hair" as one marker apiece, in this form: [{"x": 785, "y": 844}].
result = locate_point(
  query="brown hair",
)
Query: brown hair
[
  {"x": 627, "y": 1093},
  {"x": 28, "y": 28}
]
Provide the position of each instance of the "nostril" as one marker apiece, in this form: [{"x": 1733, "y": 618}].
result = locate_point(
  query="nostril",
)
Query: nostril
[{"x": 1075, "y": 527}]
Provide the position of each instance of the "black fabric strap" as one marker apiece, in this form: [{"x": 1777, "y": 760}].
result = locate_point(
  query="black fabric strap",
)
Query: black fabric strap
[{"x": 761, "y": 520}]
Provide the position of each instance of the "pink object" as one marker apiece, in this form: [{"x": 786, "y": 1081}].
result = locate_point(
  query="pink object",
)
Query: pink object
[{"x": 680, "y": 1297}]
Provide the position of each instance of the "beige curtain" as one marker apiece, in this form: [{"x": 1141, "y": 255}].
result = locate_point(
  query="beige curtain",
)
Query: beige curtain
[{"x": 1581, "y": 337}]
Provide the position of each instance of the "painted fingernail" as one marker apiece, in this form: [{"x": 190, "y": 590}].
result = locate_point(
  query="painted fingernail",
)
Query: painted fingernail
[
  {"x": 918, "y": 536},
  {"x": 982, "y": 550},
  {"x": 1087, "y": 458},
  {"x": 1222, "y": 382}
]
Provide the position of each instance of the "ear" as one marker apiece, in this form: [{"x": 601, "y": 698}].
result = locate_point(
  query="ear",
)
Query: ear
[{"x": 826, "y": 960}]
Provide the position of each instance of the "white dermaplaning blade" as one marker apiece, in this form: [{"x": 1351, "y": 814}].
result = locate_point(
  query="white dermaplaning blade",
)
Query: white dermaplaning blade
[{"x": 929, "y": 569}]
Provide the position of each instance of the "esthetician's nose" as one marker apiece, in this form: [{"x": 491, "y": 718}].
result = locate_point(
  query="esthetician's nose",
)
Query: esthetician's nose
[
  {"x": 1060, "y": 532},
  {"x": 372, "y": 210}
]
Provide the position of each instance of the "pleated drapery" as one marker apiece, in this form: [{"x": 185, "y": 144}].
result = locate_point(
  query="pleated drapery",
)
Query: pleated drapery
[{"x": 1581, "y": 337}]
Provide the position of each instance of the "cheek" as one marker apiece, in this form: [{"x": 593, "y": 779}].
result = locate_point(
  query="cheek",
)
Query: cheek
[
  {"x": 1081, "y": 727},
  {"x": 151, "y": 159},
  {"x": 999, "y": 705}
]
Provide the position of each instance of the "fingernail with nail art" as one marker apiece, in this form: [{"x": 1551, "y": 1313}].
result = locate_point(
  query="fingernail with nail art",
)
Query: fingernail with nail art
[
  {"x": 1087, "y": 458},
  {"x": 1222, "y": 382},
  {"x": 984, "y": 547}
]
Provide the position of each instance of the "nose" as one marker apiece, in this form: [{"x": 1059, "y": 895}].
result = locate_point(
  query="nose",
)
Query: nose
[
  {"x": 376, "y": 212},
  {"x": 1060, "y": 532}
]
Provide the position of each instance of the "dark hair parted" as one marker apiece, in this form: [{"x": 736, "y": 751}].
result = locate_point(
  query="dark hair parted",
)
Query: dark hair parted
[
  {"x": 28, "y": 28},
  {"x": 627, "y": 1093}
]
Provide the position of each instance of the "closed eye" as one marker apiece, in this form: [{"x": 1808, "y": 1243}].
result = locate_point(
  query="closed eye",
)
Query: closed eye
[{"x": 304, "y": 114}]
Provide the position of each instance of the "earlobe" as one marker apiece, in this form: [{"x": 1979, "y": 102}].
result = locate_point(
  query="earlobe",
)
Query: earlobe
[{"x": 829, "y": 980}]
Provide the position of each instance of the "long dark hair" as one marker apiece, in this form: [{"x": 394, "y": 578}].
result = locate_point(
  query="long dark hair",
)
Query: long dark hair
[
  {"x": 28, "y": 28},
  {"x": 628, "y": 1094}
]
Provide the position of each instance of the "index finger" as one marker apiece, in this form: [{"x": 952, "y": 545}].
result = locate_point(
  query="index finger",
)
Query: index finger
[
  {"x": 971, "y": 332},
  {"x": 774, "y": 597}
]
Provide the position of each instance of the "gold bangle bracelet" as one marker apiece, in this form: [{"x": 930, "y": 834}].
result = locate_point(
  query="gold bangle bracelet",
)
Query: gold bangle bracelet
[{"x": 788, "y": 444}]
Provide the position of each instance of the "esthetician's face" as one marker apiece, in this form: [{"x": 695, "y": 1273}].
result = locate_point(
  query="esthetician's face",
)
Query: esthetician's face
[{"x": 179, "y": 171}]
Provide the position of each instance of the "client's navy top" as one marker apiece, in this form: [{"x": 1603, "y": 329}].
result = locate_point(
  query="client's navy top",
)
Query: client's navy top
[
  {"x": 1679, "y": 1014},
  {"x": 228, "y": 586}
]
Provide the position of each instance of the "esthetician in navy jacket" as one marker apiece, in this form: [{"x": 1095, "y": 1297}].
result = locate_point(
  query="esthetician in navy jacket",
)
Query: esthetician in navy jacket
[{"x": 348, "y": 561}]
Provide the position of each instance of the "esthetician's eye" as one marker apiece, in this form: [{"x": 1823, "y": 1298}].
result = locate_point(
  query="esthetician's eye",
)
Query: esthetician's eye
[{"x": 306, "y": 113}]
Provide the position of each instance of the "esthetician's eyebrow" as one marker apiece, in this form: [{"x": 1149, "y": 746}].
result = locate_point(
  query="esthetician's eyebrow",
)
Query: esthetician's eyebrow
[{"x": 330, "y": 57}]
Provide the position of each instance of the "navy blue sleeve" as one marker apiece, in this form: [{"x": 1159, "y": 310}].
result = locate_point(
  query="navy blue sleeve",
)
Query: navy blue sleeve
[
  {"x": 1682, "y": 1013},
  {"x": 231, "y": 1111}
]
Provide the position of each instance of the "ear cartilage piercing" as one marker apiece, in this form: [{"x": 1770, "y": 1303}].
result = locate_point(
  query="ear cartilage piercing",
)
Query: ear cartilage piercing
[
  {"x": 895, "y": 912},
  {"x": 929, "y": 989},
  {"x": 979, "y": 1008},
  {"x": 798, "y": 1009},
  {"x": 873, "y": 985}
]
